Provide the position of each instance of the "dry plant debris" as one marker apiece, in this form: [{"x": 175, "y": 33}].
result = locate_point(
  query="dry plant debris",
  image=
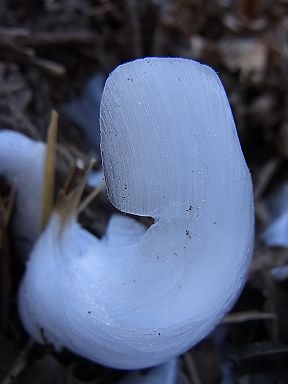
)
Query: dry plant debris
[{"x": 48, "y": 49}]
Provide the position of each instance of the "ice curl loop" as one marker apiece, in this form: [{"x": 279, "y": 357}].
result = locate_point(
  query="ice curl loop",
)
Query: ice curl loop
[{"x": 138, "y": 297}]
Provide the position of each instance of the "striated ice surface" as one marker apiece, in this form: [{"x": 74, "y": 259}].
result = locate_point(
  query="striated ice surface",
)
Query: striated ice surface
[{"x": 137, "y": 297}]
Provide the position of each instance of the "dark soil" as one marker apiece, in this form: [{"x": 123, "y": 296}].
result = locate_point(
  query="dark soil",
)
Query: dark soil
[{"x": 48, "y": 50}]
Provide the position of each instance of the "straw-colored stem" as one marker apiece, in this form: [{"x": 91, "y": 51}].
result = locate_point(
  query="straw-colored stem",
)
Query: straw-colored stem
[
  {"x": 49, "y": 180},
  {"x": 91, "y": 197}
]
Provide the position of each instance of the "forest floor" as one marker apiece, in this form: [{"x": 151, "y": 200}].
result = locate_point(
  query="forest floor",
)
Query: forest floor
[{"x": 49, "y": 49}]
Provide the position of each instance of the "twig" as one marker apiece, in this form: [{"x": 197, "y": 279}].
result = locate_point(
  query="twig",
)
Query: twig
[
  {"x": 242, "y": 317},
  {"x": 10, "y": 33},
  {"x": 91, "y": 197},
  {"x": 23, "y": 55},
  {"x": 49, "y": 66},
  {"x": 69, "y": 196},
  {"x": 51, "y": 38},
  {"x": 19, "y": 364},
  {"x": 135, "y": 27},
  {"x": 6, "y": 88},
  {"x": 99, "y": 11},
  {"x": 265, "y": 177},
  {"x": 191, "y": 368}
]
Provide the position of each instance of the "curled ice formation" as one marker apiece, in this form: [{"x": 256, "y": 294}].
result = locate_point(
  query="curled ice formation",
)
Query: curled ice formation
[{"x": 137, "y": 297}]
